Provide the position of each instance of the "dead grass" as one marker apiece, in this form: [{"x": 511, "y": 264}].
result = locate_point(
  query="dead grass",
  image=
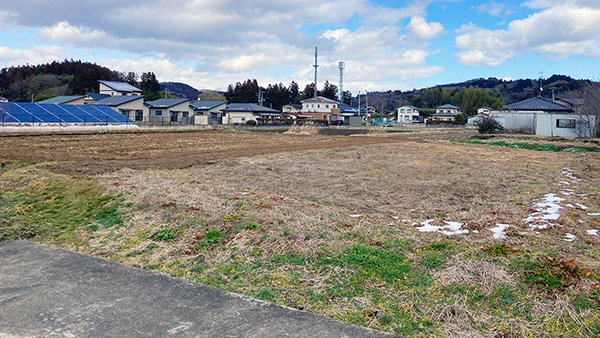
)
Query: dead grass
[
  {"x": 294, "y": 217},
  {"x": 303, "y": 129}
]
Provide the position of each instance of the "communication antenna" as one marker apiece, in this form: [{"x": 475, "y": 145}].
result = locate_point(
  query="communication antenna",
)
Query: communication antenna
[
  {"x": 316, "y": 65},
  {"x": 541, "y": 81},
  {"x": 341, "y": 65}
]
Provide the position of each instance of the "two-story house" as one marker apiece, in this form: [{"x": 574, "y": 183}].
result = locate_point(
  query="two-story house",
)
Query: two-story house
[{"x": 321, "y": 108}]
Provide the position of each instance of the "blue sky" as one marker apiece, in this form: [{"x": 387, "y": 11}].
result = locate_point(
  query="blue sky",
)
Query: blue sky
[{"x": 387, "y": 45}]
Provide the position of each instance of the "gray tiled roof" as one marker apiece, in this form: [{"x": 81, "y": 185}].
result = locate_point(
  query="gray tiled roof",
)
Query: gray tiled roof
[
  {"x": 248, "y": 107},
  {"x": 206, "y": 104},
  {"x": 116, "y": 100},
  {"x": 165, "y": 103},
  {"x": 97, "y": 97},
  {"x": 62, "y": 99},
  {"x": 120, "y": 86},
  {"x": 572, "y": 101},
  {"x": 537, "y": 103},
  {"x": 319, "y": 99},
  {"x": 447, "y": 106},
  {"x": 445, "y": 114}
]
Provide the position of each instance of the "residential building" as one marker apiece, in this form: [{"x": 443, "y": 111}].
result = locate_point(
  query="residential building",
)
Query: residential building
[
  {"x": 447, "y": 113},
  {"x": 132, "y": 107},
  {"x": 291, "y": 108},
  {"x": 542, "y": 116},
  {"x": 169, "y": 111},
  {"x": 408, "y": 114},
  {"x": 114, "y": 88},
  {"x": 91, "y": 97},
  {"x": 484, "y": 110},
  {"x": 79, "y": 99},
  {"x": 3, "y": 99},
  {"x": 321, "y": 108},
  {"x": 241, "y": 113},
  {"x": 208, "y": 112}
]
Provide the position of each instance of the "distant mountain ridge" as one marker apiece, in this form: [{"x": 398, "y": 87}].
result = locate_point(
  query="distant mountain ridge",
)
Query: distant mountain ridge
[{"x": 181, "y": 90}]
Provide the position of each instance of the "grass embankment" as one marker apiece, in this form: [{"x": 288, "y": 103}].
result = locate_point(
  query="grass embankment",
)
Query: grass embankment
[{"x": 331, "y": 232}]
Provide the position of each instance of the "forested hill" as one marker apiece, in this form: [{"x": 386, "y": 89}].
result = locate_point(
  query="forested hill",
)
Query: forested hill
[
  {"x": 52, "y": 79},
  {"x": 471, "y": 94}
]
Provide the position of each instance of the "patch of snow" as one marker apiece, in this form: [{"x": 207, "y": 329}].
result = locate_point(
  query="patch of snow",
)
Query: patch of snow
[
  {"x": 395, "y": 217},
  {"x": 244, "y": 193},
  {"x": 570, "y": 237},
  {"x": 567, "y": 192},
  {"x": 594, "y": 213},
  {"x": 593, "y": 232},
  {"x": 452, "y": 228},
  {"x": 547, "y": 210},
  {"x": 565, "y": 182},
  {"x": 499, "y": 230},
  {"x": 356, "y": 215},
  {"x": 581, "y": 206},
  {"x": 570, "y": 205}
]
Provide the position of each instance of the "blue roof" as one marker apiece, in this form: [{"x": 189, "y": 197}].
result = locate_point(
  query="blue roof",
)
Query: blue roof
[
  {"x": 447, "y": 106},
  {"x": 97, "y": 96},
  {"x": 62, "y": 99},
  {"x": 116, "y": 100},
  {"x": 207, "y": 104},
  {"x": 120, "y": 86},
  {"x": 538, "y": 103},
  {"x": 166, "y": 103},
  {"x": 248, "y": 107}
]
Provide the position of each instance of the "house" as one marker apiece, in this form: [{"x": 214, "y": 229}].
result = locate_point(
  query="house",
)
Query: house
[
  {"x": 573, "y": 102},
  {"x": 408, "y": 114},
  {"x": 208, "y": 112},
  {"x": 241, "y": 113},
  {"x": 291, "y": 108},
  {"x": 446, "y": 112},
  {"x": 91, "y": 97},
  {"x": 3, "y": 99},
  {"x": 132, "y": 107},
  {"x": 475, "y": 119},
  {"x": 169, "y": 111},
  {"x": 484, "y": 110},
  {"x": 79, "y": 100},
  {"x": 542, "y": 116},
  {"x": 321, "y": 108},
  {"x": 114, "y": 88}
]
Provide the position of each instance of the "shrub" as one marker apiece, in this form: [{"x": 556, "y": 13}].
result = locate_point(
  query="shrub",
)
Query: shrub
[
  {"x": 489, "y": 126},
  {"x": 251, "y": 122}
]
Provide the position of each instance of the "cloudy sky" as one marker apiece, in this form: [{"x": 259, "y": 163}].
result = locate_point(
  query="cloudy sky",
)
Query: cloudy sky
[{"x": 386, "y": 44}]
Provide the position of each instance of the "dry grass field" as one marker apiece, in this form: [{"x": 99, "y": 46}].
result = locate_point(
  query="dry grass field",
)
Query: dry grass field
[{"x": 419, "y": 234}]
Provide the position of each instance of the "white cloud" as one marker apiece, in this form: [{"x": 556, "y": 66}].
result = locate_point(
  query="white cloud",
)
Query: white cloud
[
  {"x": 492, "y": 8},
  {"x": 557, "y": 32},
  {"x": 419, "y": 26},
  {"x": 35, "y": 55}
]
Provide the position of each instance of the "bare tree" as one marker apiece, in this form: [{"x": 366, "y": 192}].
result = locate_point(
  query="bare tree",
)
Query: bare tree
[{"x": 588, "y": 109}]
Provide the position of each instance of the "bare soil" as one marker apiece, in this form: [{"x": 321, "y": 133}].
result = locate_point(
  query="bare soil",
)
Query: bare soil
[{"x": 101, "y": 153}]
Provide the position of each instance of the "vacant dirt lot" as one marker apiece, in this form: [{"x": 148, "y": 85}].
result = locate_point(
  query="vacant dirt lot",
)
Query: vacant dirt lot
[{"x": 100, "y": 153}]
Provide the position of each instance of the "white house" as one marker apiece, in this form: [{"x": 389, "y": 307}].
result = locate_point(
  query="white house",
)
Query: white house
[
  {"x": 241, "y": 113},
  {"x": 208, "y": 112},
  {"x": 114, "y": 88},
  {"x": 542, "y": 116},
  {"x": 321, "y": 108},
  {"x": 132, "y": 107},
  {"x": 169, "y": 111},
  {"x": 446, "y": 112},
  {"x": 408, "y": 114}
]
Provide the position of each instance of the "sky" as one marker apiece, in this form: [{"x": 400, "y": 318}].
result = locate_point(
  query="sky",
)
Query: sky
[{"x": 385, "y": 44}]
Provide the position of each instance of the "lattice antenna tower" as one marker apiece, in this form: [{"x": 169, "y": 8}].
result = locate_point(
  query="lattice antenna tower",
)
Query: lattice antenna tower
[{"x": 341, "y": 65}]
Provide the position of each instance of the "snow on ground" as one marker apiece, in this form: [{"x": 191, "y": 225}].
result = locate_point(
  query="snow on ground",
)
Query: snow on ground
[
  {"x": 592, "y": 232},
  {"x": 569, "y": 237},
  {"x": 452, "y": 228},
  {"x": 547, "y": 210}
]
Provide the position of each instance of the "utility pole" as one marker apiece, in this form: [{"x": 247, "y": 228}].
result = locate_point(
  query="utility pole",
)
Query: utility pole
[
  {"x": 541, "y": 82},
  {"x": 359, "y": 103},
  {"x": 367, "y": 101}
]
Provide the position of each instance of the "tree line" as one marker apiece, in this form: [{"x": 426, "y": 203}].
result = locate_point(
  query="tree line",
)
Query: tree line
[
  {"x": 68, "y": 77},
  {"x": 278, "y": 95}
]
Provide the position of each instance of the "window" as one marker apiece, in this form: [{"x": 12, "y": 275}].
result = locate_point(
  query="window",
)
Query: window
[
  {"x": 564, "y": 123},
  {"x": 318, "y": 106},
  {"x": 158, "y": 112},
  {"x": 402, "y": 110},
  {"x": 326, "y": 106},
  {"x": 406, "y": 118},
  {"x": 313, "y": 106}
]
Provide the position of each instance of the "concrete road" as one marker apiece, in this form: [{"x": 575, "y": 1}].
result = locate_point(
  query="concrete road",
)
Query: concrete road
[{"x": 48, "y": 292}]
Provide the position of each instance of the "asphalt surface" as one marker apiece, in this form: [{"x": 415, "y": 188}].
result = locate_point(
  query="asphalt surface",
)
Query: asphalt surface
[{"x": 49, "y": 292}]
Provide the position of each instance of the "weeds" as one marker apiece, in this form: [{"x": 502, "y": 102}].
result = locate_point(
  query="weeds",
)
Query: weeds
[{"x": 552, "y": 273}]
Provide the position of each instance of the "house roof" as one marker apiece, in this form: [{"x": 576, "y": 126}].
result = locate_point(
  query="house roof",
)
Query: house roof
[
  {"x": 486, "y": 107},
  {"x": 116, "y": 100},
  {"x": 248, "y": 107},
  {"x": 445, "y": 114},
  {"x": 97, "y": 96},
  {"x": 207, "y": 104},
  {"x": 120, "y": 86},
  {"x": 62, "y": 99},
  {"x": 297, "y": 106},
  {"x": 166, "y": 103},
  {"x": 537, "y": 103},
  {"x": 319, "y": 99},
  {"x": 411, "y": 107},
  {"x": 572, "y": 101},
  {"x": 447, "y": 106}
]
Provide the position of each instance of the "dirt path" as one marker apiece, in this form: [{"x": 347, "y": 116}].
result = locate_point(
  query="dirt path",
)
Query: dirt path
[{"x": 100, "y": 153}]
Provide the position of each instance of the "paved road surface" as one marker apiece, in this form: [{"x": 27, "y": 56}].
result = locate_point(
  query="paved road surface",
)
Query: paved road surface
[{"x": 48, "y": 292}]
